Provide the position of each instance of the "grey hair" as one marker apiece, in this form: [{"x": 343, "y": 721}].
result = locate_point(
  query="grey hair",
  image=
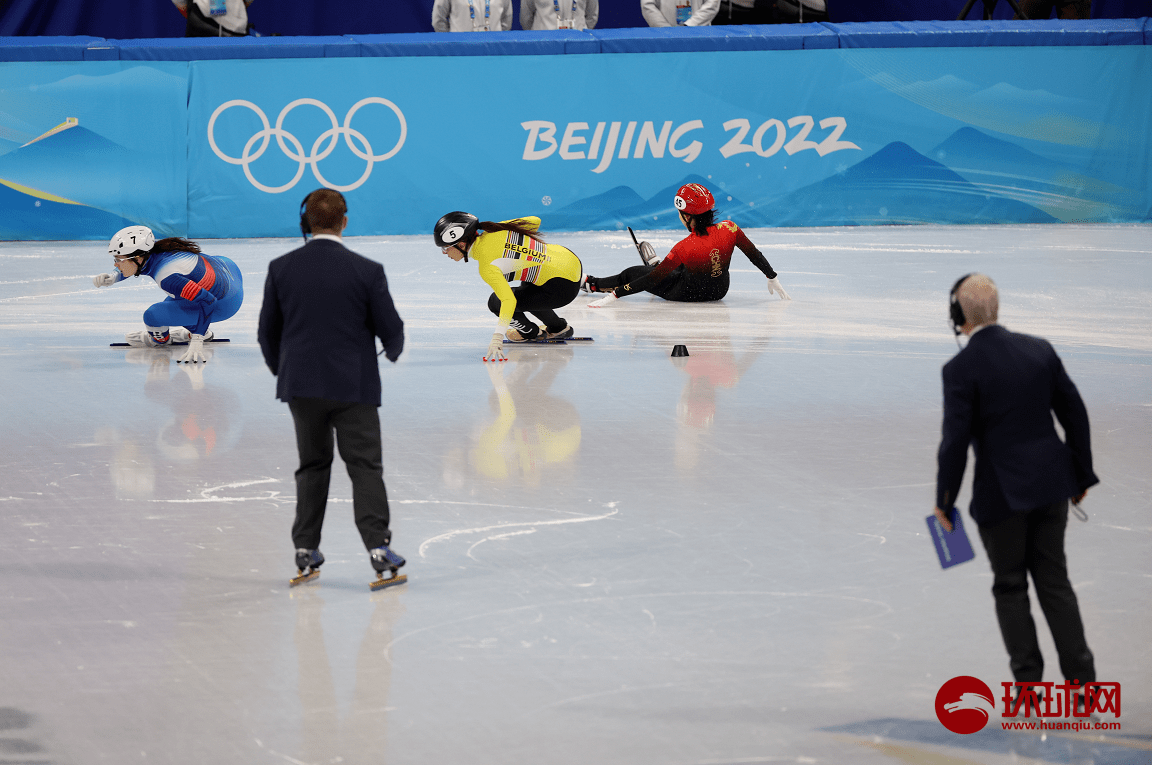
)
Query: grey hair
[{"x": 980, "y": 300}]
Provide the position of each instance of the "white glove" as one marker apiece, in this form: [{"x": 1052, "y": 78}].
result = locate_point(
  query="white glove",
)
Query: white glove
[
  {"x": 496, "y": 348},
  {"x": 195, "y": 352},
  {"x": 775, "y": 288},
  {"x": 607, "y": 300},
  {"x": 104, "y": 280}
]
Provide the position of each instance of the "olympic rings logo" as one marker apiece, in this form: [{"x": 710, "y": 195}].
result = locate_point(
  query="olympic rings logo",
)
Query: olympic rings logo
[{"x": 295, "y": 152}]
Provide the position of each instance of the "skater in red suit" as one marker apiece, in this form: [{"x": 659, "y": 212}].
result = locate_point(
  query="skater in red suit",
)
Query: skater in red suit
[{"x": 696, "y": 269}]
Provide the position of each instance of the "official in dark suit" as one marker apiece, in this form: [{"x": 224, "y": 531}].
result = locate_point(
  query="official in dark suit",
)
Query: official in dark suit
[
  {"x": 999, "y": 395},
  {"x": 324, "y": 307}
]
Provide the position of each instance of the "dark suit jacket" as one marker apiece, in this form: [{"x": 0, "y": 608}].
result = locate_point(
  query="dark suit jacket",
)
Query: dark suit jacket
[
  {"x": 999, "y": 395},
  {"x": 324, "y": 307}
]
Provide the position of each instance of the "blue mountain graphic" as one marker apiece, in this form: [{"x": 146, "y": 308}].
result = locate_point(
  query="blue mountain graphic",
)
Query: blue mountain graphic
[
  {"x": 1005, "y": 169},
  {"x": 896, "y": 185},
  {"x": 75, "y": 164},
  {"x": 619, "y": 197},
  {"x": 82, "y": 166},
  {"x": 622, "y": 206},
  {"x": 26, "y": 217}
]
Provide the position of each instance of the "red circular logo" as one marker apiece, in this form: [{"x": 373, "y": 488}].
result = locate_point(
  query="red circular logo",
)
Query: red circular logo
[{"x": 964, "y": 704}]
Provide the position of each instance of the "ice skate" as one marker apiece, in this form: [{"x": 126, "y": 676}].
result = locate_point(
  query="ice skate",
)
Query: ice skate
[
  {"x": 181, "y": 336},
  {"x": 308, "y": 563},
  {"x": 564, "y": 334},
  {"x": 383, "y": 559},
  {"x": 523, "y": 333},
  {"x": 648, "y": 254},
  {"x": 149, "y": 338},
  {"x": 588, "y": 284},
  {"x": 162, "y": 338}
]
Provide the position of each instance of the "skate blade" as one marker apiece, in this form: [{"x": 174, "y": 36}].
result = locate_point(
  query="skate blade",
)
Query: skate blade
[
  {"x": 381, "y": 582},
  {"x": 169, "y": 345},
  {"x": 298, "y": 580},
  {"x": 553, "y": 341}
]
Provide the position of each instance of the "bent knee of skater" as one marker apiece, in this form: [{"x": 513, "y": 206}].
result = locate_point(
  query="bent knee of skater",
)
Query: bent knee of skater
[{"x": 155, "y": 316}]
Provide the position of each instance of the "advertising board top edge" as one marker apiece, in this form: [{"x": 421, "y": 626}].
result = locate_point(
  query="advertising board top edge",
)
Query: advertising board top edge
[{"x": 880, "y": 34}]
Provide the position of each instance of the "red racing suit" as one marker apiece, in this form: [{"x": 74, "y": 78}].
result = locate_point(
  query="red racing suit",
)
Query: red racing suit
[{"x": 696, "y": 269}]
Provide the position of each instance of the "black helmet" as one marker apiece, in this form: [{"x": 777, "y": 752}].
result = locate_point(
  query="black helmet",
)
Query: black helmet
[{"x": 455, "y": 227}]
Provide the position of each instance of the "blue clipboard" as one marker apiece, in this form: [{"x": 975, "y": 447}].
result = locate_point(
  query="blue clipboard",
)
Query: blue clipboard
[{"x": 953, "y": 548}]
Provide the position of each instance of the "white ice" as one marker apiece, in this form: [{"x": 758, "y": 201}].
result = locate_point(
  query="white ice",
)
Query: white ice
[{"x": 614, "y": 556}]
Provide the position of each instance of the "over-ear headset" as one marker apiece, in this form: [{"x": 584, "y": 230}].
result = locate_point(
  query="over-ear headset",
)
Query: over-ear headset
[
  {"x": 955, "y": 312},
  {"x": 305, "y": 226}
]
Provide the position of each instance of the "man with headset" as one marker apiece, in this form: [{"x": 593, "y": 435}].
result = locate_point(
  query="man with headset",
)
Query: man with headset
[
  {"x": 1000, "y": 392},
  {"x": 324, "y": 307}
]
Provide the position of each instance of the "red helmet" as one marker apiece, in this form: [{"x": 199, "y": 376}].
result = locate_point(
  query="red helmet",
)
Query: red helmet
[{"x": 692, "y": 198}]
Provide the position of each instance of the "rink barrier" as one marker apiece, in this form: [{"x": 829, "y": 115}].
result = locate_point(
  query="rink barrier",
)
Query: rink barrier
[
  {"x": 795, "y": 125},
  {"x": 818, "y": 36}
]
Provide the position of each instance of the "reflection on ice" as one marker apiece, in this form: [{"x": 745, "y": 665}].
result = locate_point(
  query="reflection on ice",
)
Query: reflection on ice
[
  {"x": 196, "y": 420},
  {"x": 535, "y": 435},
  {"x": 707, "y": 368},
  {"x": 332, "y": 730}
]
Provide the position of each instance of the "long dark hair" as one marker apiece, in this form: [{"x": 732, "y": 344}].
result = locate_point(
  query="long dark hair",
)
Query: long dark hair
[
  {"x": 518, "y": 226},
  {"x": 702, "y": 222},
  {"x": 174, "y": 244}
]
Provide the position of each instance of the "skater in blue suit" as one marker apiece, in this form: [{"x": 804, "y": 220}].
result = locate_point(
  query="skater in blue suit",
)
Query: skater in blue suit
[{"x": 202, "y": 289}]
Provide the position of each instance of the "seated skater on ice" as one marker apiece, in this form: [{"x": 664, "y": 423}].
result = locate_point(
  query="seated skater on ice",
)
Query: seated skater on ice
[
  {"x": 201, "y": 288},
  {"x": 514, "y": 250},
  {"x": 696, "y": 269}
]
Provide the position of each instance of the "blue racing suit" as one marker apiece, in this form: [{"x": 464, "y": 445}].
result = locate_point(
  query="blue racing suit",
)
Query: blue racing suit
[{"x": 201, "y": 289}]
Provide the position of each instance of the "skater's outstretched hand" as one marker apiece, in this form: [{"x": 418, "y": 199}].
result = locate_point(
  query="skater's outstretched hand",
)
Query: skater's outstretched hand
[
  {"x": 605, "y": 301},
  {"x": 496, "y": 348},
  {"x": 775, "y": 288},
  {"x": 104, "y": 280},
  {"x": 195, "y": 354}
]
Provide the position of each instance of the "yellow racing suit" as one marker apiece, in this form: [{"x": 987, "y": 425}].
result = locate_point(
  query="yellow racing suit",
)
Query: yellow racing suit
[{"x": 505, "y": 256}]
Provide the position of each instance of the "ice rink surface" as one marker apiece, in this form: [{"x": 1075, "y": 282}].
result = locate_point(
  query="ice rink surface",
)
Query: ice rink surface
[{"x": 615, "y": 556}]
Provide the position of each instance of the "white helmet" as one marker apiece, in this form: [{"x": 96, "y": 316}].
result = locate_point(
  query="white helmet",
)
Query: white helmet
[{"x": 134, "y": 239}]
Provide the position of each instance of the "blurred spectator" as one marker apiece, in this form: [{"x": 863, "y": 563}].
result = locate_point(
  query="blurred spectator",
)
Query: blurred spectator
[
  {"x": 739, "y": 12},
  {"x": 472, "y": 15},
  {"x": 808, "y": 11},
  {"x": 1065, "y": 9},
  {"x": 215, "y": 18},
  {"x": 770, "y": 11},
  {"x": 559, "y": 14},
  {"x": 683, "y": 13}
]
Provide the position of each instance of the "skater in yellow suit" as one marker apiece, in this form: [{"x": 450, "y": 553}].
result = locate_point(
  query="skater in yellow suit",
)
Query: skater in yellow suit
[{"x": 510, "y": 251}]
